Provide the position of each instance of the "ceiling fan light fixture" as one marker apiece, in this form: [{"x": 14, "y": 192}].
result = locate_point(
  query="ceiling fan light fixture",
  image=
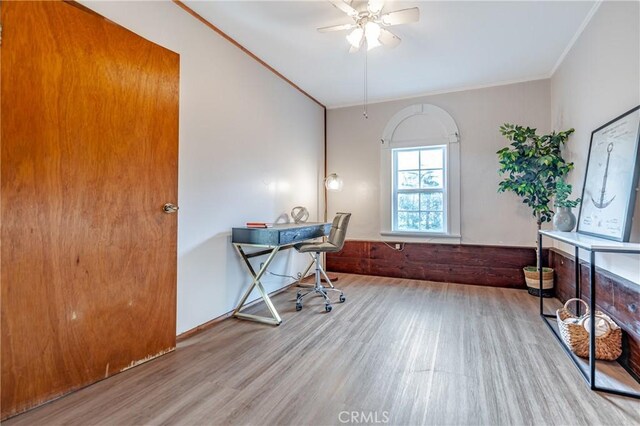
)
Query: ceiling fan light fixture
[
  {"x": 372, "y": 44},
  {"x": 355, "y": 37},
  {"x": 372, "y": 33},
  {"x": 375, "y": 6}
]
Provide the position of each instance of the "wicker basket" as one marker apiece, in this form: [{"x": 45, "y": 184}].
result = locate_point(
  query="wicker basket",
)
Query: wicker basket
[
  {"x": 532, "y": 278},
  {"x": 576, "y": 337}
]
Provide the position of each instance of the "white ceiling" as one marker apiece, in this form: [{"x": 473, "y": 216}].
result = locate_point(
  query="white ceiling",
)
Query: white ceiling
[{"x": 455, "y": 45}]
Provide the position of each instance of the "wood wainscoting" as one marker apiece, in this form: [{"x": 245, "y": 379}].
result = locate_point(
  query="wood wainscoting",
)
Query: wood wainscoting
[
  {"x": 458, "y": 263},
  {"x": 617, "y": 297}
]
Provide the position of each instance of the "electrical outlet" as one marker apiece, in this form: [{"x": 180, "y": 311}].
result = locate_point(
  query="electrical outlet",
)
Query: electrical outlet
[{"x": 397, "y": 246}]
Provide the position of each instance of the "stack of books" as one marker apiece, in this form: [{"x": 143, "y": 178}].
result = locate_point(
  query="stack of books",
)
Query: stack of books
[{"x": 259, "y": 225}]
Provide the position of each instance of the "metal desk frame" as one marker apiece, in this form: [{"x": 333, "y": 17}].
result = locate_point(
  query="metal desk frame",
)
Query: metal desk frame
[
  {"x": 275, "y": 317},
  {"x": 271, "y": 251},
  {"x": 606, "y": 247}
]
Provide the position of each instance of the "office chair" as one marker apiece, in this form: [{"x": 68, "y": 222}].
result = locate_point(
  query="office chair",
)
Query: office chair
[{"x": 334, "y": 244}]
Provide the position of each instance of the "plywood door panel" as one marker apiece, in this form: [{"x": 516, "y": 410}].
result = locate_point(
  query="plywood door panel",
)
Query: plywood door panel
[{"x": 89, "y": 150}]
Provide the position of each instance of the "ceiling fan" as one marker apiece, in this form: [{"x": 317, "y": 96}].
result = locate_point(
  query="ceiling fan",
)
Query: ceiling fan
[{"x": 370, "y": 25}]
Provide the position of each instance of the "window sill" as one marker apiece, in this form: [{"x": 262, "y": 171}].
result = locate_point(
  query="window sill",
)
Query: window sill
[{"x": 423, "y": 237}]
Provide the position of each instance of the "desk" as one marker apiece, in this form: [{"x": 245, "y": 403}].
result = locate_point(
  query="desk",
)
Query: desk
[
  {"x": 593, "y": 245},
  {"x": 272, "y": 240}
]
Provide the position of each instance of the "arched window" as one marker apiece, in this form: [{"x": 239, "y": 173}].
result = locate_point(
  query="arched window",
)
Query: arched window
[{"x": 420, "y": 174}]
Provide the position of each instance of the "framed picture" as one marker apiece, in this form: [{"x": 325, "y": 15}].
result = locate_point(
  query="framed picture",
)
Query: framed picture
[{"x": 611, "y": 179}]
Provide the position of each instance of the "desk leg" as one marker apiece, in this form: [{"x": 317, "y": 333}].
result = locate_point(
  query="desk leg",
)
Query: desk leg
[
  {"x": 275, "y": 320},
  {"x": 592, "y": 332},
  {"x": 577, "y": 279},
  {"x": 540, "y": 269}
]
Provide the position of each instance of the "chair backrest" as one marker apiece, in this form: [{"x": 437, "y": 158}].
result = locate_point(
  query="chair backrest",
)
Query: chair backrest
[{"x": 338, "y": 231}]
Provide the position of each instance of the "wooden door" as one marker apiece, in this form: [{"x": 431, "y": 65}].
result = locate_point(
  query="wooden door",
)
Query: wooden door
[{"x": 89, "y": 151}]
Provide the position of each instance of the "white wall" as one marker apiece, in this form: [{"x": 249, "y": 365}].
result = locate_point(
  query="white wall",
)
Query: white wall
[
  {"x": 598, "y": 80},
  {"x": 487, "y": 217},
  {"x": 251, "y": 148}
]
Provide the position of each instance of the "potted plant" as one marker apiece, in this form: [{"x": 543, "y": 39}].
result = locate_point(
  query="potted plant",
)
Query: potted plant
[
  {"x": 564, "y": 219},
  {"x": 530, "y": 167}
]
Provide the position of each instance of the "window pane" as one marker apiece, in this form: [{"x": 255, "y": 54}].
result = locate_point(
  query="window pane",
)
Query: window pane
[
  {"x": 431, "y": 201},
  {"x": 431, "y": 179},
  {"x": 431, "y": 158},
  {"x": 408, "y": 160},
  {"x": 409, "y": 202},
  {"x": 408, "y": 221},
  {"x": 408, "y": 180},
  {"x": 419, "y": 183},
  {"x": 432, "y": 221}
]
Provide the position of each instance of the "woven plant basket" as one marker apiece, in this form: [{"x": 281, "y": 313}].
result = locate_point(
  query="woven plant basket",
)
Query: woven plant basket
[
  {"x": 576, "y": 337},
  {"x": 532, "y": 278}
]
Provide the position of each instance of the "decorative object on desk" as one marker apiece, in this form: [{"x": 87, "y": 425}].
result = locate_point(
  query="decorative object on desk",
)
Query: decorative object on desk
[
  {"x": 564, "y": 220},
  {"x": 611, "y": 179},
  {"x": 258, "y": 225},
  {"x": 282, "y": 219},
  {"x": 574, "y": 331},
  {"x": 299, "y": 214},
  {"x": 532, "y": 278},
  {"x": 530, "y": 167},
  {"x": 333, "y": 182}
]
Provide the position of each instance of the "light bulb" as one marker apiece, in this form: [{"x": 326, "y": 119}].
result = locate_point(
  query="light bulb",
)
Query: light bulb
[
  {"x": 355, "y": 37},
  {"x": 333, "y": 182},
  {"x": 372, "y": 33},
  {"x": 372, "y": 43}
]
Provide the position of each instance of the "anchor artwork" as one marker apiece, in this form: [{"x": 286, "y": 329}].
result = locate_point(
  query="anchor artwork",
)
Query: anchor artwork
[
  {"x": 601, "y": 203},
  {"x": 611, "y": 179}
]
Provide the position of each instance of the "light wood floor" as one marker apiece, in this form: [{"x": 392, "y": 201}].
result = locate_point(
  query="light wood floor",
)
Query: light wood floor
[{"x": 425, "y": 353}]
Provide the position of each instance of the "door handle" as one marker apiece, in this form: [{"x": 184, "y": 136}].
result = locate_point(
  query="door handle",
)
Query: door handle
[{"x": 170, "y": 208}]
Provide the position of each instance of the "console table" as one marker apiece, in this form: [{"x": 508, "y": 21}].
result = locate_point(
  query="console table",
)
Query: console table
[{"x": 593, "y": 245}]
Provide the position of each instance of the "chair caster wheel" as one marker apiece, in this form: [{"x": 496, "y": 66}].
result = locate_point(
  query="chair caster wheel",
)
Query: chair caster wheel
[
  {"x": 327, "y": 308},
  {"x": 298, "y": 306},
  {"x": 298, "y": 294},
  {"x": 342, "y": 298}
]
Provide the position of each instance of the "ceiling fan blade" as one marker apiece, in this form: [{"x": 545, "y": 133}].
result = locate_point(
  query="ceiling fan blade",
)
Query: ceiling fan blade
[
  {"x": 346, "y": 8},
  {"x": 337, "y": 28},
  {"x": 375, "y": 6},
  {"x": 389, "y": 39},
  {"x": 398, "y": 17}
]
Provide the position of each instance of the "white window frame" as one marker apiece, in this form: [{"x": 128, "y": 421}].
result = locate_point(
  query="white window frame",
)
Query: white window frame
[
  {"x": 450, "y": 139},
  {"x": 443, "y": 190}
]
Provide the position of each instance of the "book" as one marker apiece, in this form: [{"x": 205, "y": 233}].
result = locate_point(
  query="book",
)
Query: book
[{"x": 258, "y": 225}]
